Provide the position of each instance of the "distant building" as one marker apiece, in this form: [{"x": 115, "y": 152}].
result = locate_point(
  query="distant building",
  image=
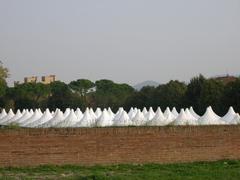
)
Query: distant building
[
  {"x": 48, "y": 79},
  {"x": 226, "y": 79},
  {"x": 32, "y": 79}
]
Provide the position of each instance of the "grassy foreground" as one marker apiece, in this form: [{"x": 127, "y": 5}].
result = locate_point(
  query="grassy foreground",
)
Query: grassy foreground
[{"x": 203, "y": 170}]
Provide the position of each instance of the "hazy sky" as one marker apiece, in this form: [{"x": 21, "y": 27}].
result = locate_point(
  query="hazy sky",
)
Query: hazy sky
[{"x": 123, "y": 40}]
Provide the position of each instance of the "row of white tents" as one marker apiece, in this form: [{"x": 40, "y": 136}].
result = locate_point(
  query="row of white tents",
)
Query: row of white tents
[{"x": 105, "y": 118}]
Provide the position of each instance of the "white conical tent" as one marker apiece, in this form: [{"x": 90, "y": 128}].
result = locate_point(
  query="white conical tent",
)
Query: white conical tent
[
  {"x": 45, "y": 118},
  {"x": 92, "y": 114},
  {"x": 169, "y": 116},
  {"x": 66, "y": 113},
  {"x": 167, "y": 112},
  {"x": 210, "y": 118},
  {"x": 118, "y": 115},
  {"x": 235, "y": 120},
  {"x": 112, "y": 115},
  {"x": 98, "y": 112},
  {"x": 39, "y": 111},
  {"x": 150, "y": 114},
  {"x": 184, "y": 119},
  {"x": 139, "y": 119},
  {"x": 135, "y": 110},
  {"x": 104, "y": 120},
  {"x": 24, "y": 117},
  {"x": 17, "y": 116},
  {"x": 69, "y": 121},
  {"x": 229, "y": 116},
  {"x": 194, "y": 113},
  {"x": 158, "y": 120},
  {"x": 131, "y": 113},
  {"x": 3, "y": 114},
  {"x": 86, "y": 121},
  {"x": 124, "y": 120},
  {"x": 174, "y": 112},
  {"x": 79, "y": 114},
  {"x": 9, "y": 116},
  {"x": 52, "y": 122},
  {"x": 36, "y": 116},
  {"x": 144, "y": 111},
  {"x": 192, "y": 119},
  {"x": 55, "y": 112}
]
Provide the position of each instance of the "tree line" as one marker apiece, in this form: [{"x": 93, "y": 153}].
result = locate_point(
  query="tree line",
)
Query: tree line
[{"x": 199, "y": 93}]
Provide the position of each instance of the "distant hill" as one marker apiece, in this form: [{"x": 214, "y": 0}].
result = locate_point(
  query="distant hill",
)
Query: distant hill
[{"x": 145, "y": 83}]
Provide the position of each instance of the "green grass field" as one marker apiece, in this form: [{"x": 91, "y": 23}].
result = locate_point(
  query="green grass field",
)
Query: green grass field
[{"x": 203, "y": 170}]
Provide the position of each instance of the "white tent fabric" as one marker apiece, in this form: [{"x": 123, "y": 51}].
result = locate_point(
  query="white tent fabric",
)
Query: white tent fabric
[
  {"x": 192, "y": 119},
  {"x": 124, "y": 120},
  {"x": 184, "y": 119},
  {"x": 194, "y": 113},
  {"x": 86, "y": 121},
  {"x": 17, "y": 116},
  {"x": 210, "y": 118},
  {"x": 118, "y": 115},
  {"x": 104, "y": 120},
  {"x": 52, "y": 121},
  {"x": 45, "y": 118},
  {"x": 158, "y": 120},
  {"x": 235, "y": 120},
  {"x": 66, "y": 113},
  {"x": 9, "y": 116},
  {"x": 131, "y": 113},
  {"x": 3, "y": 114},
  {"x": 112, "y": 115},
  {"x": 69, "y": 121},
  {"x": 92, "y": 113},
  {"x": 139, "y": 119},
  {"x": 79, "y": 114},
  {"x": 98, "y": 112},
  {"x": 229, "y": 116},
  {"x": 106, "y": 117},
  {"x": 25, "y": 115},
  {"x": 36, "y": 116},
  {"x": 169, "y": 116},
  {"x": 150, "y": 114},
  {"x": 174, "y": 112},
  {"x": 144, "y": 111}
]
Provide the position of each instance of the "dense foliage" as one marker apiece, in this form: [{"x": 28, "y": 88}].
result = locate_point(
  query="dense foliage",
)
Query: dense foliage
[{"x": 199, "y": 93}]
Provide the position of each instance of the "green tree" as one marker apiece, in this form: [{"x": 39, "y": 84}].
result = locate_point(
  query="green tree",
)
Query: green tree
[
  {"x": 111, "y": 94},
  {"x": 193, "y": 93},
  {"x": 143, "y": 98},
  {"x": 231, "y": 96},
  {"x": 4, "y": 74},
  {"x": 170, "y": 95},
  {"x": 81, "y": 86},
  {"x": 62, "y": 97},
  {"x": 29, "y": 95},
  {"x": 211, "y": 95}
]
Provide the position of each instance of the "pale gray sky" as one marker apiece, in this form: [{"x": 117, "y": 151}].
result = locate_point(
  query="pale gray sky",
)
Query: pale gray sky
[{"x": 123, "y": 40}]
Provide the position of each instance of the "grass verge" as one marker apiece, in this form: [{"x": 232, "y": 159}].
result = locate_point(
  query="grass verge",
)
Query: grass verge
[{"x": 200, "y": 170}]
